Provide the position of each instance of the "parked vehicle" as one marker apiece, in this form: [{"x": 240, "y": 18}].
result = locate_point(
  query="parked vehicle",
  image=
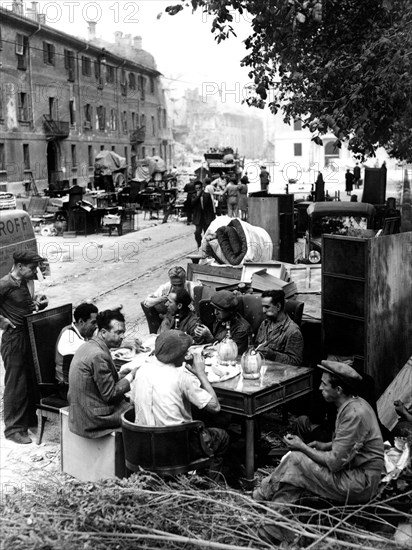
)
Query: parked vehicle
[{"x": 336, "y": 218}]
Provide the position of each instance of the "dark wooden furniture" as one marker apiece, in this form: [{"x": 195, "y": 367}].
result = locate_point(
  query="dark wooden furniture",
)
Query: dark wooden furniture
[
  {"x": 168, "y": 450},
  {"x": 275, "y": 213},
  {"x": 278, "y": 385},
  {"x": 367, "y": 302},
  {"x": 43, "y": 330}
]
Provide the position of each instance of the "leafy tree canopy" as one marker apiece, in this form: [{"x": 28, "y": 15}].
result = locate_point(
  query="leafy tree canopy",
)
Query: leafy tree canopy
[{"x": 339, "y": 65}]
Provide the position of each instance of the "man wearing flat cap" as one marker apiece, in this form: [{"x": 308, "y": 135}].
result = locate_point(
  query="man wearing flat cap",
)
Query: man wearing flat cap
[
  {"x": 347, "y": 469},
  {"x": 164, "y": 391},
  {"x": 225, "y": 304},
  {"x": 17, "y": 299}
]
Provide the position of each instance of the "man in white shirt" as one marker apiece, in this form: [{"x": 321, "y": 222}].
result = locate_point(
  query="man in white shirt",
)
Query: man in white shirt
[
  {"x": 71, "y": 338},
  {"x": 164, "y": 391}
]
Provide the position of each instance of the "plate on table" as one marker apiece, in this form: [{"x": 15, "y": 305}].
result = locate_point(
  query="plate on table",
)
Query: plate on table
[
  {"x": 220, "y": 373},
  {"x": 124, "y": 354}
]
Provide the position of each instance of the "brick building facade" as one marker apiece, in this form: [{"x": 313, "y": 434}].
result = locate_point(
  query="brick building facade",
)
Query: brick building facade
[{"x": 63, "y": 99}]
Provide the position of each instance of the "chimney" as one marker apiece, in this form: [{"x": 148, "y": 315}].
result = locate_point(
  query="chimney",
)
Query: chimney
[
  {"x": 117, "y": 37},
  {"x": 91, "y": 29},
  {"x": 137, "y": 42},
  {"x": 17, "y": 7},
  {"x": 128, "y": 39}
]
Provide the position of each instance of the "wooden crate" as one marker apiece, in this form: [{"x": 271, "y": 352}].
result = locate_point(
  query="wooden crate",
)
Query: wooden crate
[{"x": 90, "y": 459}]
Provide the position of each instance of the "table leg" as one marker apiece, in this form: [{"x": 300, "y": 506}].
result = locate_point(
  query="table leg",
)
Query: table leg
[{"x": 250, "y": 449}]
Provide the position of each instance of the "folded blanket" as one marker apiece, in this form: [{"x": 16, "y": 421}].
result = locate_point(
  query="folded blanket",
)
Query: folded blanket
[{"x": 232, "y": 241}]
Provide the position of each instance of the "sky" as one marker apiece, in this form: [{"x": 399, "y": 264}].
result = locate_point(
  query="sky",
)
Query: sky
[{"x": 183, "y": 45}]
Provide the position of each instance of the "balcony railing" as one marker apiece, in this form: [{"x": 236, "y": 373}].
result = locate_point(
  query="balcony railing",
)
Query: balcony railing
[
  {"x": 138, "y": 136},
  {"x": 55, "y": 129}
]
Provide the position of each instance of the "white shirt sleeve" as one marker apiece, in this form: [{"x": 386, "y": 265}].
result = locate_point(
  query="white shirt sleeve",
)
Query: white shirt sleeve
[
  {"x": 69, "y": 342},
  {"x": 163, "y": 290}
]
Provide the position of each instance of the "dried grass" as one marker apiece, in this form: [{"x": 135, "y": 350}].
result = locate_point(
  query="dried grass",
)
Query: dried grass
[{"x": 145, "y": 512}]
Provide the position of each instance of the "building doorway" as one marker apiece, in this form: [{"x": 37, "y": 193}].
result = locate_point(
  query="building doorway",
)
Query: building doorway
[{"x": 52, "y": 164}]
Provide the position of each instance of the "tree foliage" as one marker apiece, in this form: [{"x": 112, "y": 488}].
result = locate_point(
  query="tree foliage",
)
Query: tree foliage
[{"x": 339, "y": 65}]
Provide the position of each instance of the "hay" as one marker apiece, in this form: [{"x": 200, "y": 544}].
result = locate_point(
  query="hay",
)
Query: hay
[{"x": 144, "y": 512}]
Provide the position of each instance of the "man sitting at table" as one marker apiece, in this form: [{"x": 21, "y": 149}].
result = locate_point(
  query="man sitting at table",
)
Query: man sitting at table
[
  {"x": 279, "y": 338},
  {"x": 180, "y": 316},
  {"x": 225, "y": 304},
  {"x": 164, "y": 391},
  {"x": 70, "y": 339},
  {"x": 346, "y": 470},
  {"x": 96, "y": 392},
  {"x": 177, "y": 280}
]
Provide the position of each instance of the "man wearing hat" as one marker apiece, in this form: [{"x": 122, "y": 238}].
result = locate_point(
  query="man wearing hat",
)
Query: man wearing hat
[
  {"x": 164, "y": 391},
  {"x": 17, "y": 299},
  {"x": 225, "y": 304},
  {"x": 347, "y": 469}
]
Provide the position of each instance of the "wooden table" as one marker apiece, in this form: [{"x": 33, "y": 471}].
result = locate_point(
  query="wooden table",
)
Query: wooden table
[{"x": 249, "y": 398}]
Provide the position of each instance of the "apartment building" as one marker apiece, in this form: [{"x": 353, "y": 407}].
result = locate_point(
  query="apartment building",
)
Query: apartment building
[{"x": 63, "y": 99}]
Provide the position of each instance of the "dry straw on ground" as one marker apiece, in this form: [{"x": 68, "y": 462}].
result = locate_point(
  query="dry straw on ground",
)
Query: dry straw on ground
[{"x": 144, "y": 512}]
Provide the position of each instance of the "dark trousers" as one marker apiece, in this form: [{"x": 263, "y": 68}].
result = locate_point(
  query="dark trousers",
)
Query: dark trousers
[
  {"x": 19, "y": 404},
  {"x": 218, "y": 441},
  {"x": 202, "y": 226}
]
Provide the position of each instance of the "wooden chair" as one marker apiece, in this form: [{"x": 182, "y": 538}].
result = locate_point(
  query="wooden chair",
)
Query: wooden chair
[
  {"x": 43, "y": 330},
  {"x": 169, "y": 450}
]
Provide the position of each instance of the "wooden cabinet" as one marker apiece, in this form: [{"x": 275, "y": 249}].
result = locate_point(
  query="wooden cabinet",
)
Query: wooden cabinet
[
  {"x": 275, "y": 214},
  {"x": 367, "y": 302}
]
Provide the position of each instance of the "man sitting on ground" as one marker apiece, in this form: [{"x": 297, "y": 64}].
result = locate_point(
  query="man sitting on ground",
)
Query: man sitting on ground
[
  {"x": 179, "y": 315},
  {"x": 279, "y": 338},
  {"x": 347, "y": 469},
  {"x": 96, "y": 392},
  {"x": 225, "y": 304},
  {"x": 70, "y": 339},
  {"x": 164, "y": 391},
  {"x": 177, "y": 280}
]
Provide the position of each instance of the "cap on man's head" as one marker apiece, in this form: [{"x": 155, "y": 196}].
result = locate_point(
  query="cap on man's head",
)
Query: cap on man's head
[
  {"x": 177, "y": 271},
  {"x": 172, "y": 345},
  {"x": 224, "y": 299},
  {"x": 27, "y": 257},
  {"x": 342, "y": 371}
]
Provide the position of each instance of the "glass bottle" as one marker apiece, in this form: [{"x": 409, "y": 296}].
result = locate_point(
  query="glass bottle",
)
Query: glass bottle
[
  {"x": 251, "y": 361},
  {"x": 227, "y": 349}
]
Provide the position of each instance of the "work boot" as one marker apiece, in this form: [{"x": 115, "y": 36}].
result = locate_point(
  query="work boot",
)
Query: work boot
[{"x": 21, "y": 438}]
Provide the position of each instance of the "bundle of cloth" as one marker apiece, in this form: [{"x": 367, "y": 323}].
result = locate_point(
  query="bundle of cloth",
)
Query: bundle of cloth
[{"x": 233, "y": 241}]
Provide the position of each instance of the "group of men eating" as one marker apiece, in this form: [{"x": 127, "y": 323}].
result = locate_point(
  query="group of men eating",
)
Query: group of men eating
[{"x": 163, "y": 389}]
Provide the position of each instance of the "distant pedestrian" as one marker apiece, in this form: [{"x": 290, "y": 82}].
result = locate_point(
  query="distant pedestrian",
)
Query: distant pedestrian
[
  {"x": 357, "y": 175},
  {"x": 242, "y": 201},
  {"x": 349, "y": 178},
  {"x": 189, "y": 188},
  {"x": 203, "y": 212},
  {"x": 232, "y": 193},
  {"x": 210, "y": 188},
  {"x": 264, "y": 178},
  {"x": 320, "y": 188}
]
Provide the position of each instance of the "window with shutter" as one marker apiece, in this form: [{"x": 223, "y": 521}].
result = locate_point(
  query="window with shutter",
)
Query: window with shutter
[
  {"x": 86, "y": 66},
  {"x": 132, "y": 81},
  {"x": 22, "y": 43},
  {"x": 49, "y": 52}
]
